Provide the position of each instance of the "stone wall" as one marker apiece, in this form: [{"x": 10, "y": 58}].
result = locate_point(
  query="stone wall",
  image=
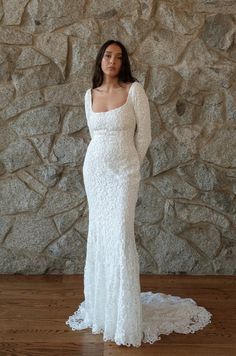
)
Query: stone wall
[{"x": 184, "y": 53}]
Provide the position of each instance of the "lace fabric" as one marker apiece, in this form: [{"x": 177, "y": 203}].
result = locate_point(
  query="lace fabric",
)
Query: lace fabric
[{"x": 114, "y": 304}]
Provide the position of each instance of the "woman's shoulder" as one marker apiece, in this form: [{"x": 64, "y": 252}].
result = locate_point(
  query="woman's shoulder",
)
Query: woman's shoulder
[
  {"x": 137, "y": 89},
  {"x": 87, "y": 92},
  {"x": 138, "y": 84}
]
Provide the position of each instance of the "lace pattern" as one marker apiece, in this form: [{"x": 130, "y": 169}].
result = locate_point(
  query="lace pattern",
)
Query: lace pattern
[{"x": 113, "y": 303}]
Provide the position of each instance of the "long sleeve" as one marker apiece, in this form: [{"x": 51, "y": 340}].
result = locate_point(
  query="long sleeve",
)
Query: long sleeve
[
  {"x": 87, "y": 111},
  {"x": 142, "y": 135}
]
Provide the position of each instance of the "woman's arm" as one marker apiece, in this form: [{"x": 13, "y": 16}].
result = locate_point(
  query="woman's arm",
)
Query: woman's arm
[
  {"x": 87, "y": 110},
  {"x": 142, "y": 135}
]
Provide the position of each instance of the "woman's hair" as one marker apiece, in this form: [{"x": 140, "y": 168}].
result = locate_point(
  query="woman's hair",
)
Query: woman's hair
[{"x": 125, "y": 71}]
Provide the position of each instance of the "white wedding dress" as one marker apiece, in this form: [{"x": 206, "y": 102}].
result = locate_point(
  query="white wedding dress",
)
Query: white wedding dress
[{"x": 114, "y": 304}]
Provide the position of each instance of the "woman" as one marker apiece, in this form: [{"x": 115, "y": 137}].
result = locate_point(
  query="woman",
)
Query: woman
[{"x": 118, "y": 117}]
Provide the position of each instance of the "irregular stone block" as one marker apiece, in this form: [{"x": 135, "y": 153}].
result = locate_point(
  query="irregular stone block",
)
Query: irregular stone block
[
  {"x": 216, "y": 6},
  {"x": 225, "y": 263},
  {"x": 54, "y": 46},
  {"x": 13, "y": 11},
  {"x": 29, "y": 57},
  {"x": 172, "y": 186},
  {"x": 177, "y": 113},
  {"x": 14, "y": 37},
  {"x": 222, "y": 201},
  {"x": 166, "y": 153},
  {"x": 67, "y": 94},
  {"x": 163, "y": 83},
  {"x": 174, "y": 255},
  {"x": 48, "y": 174},
  {"x": 57, "y": 202},
  {"x": 20, "y": 262},
  {"x": 200, "y": 175},
  {"x": 72, "y": 181},
  {"x": 162, "y": 47},
  {"x": 195, "y": 214},
  {"x": 48, "y": 15},
  {"x": 7, "y": 135},
  {"x": 65, "y": 220},
  {"x": 74, "y": 120},
  {"x": 43, "y": 143},
  {"x": 16, "y": 197},
  {"x": 149, "y": 205},
  {"x": 32, "y": 182},
  {"x": 19, "y": 154},
  {"x": 175, "y": 19},
  {"x": 68, "y": 149},
  {"x": 221, "y": 150},
  {"x": 70, "y": 246},
  {"x": 218, "y": 31},
  {"x": 42, "y": 120},
  {"x": 206, "y": 237},
  {"x": 6, "y": 223},
  {"x": 27, "y": 80},
  {"x": 6, "y": 94},
  {"x": 43, "y": 232},
  {"x": 24, "y": 103}
]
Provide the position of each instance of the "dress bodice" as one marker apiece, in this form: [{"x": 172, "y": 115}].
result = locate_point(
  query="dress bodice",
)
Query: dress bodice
[{"x": 131, "y": 119}]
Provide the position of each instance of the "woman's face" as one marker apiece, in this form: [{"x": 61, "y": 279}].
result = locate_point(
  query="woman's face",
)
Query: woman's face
[{"x": 112, "y": 60}]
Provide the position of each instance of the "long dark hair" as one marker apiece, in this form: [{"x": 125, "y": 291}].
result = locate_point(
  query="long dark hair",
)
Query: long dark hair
[{"x": 125, "y": 74}]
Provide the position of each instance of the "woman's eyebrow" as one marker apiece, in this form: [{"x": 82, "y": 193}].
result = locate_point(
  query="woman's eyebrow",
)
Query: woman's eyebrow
[{"x": 111, "y": 52}]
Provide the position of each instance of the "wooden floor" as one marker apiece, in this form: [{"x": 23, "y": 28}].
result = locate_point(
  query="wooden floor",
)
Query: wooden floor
[{"x": 34, "y": 309}]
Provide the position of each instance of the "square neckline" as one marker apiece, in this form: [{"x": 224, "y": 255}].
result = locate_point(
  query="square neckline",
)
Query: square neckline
[{"x": 119, "y": 107}]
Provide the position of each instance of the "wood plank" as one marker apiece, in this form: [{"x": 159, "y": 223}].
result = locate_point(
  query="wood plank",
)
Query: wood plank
[{"x": 34, "y": 309}]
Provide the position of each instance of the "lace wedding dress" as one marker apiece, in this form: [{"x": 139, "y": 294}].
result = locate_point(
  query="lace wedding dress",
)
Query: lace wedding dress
[{"x": 114, "y": 304}]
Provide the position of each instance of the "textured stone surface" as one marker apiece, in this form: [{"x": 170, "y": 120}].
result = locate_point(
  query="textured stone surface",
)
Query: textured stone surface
[
  {"x": 16, "y": 197},
  {"x": 6, "y": 94},
  {"x": 12, "y": 13},
  {"x": 196, "y": 214},
  {"x": 167, "y": 152},
  {"x": 163, "y": 83},
  {"x": 19, "y": 105},
  {"x": 68, "y": 94},
  {"x": 74, "y": 120},
  {"x": 48, "y": 15},
  {"x": 48, "y": 174},
  {"x": 206, "y": 238},
  {"x": 218, "y": 31},
  {"x": 7, "y": 135},
  {"x": 19, "y": 154},
  {"x": 171, "y": 186},
  {"x": 184, "y": 53},
  {"x": 54, "y": 46},
  {"x": 200, "y": 175},
  {"x": 177, "y": 20},
  {"x": 41, "y": 120},
  {"x": 16, "y": 37},
  {"x": 57, "y": 202},
  {"x": 69, "y": 149},
  {"x": 38, "y": 77},
  {"x": 162, "y": 47},
  {"x": 204, "y": 67},
  {"x": 43, "y": 232},
  {"x": 5, "y": 225},
  {"x": 29, "y": 57},
  {"x": 221, "y": 150}
]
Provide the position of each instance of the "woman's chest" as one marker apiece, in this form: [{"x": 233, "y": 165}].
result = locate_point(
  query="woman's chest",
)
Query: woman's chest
[{"x": 122, "y": 118}]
